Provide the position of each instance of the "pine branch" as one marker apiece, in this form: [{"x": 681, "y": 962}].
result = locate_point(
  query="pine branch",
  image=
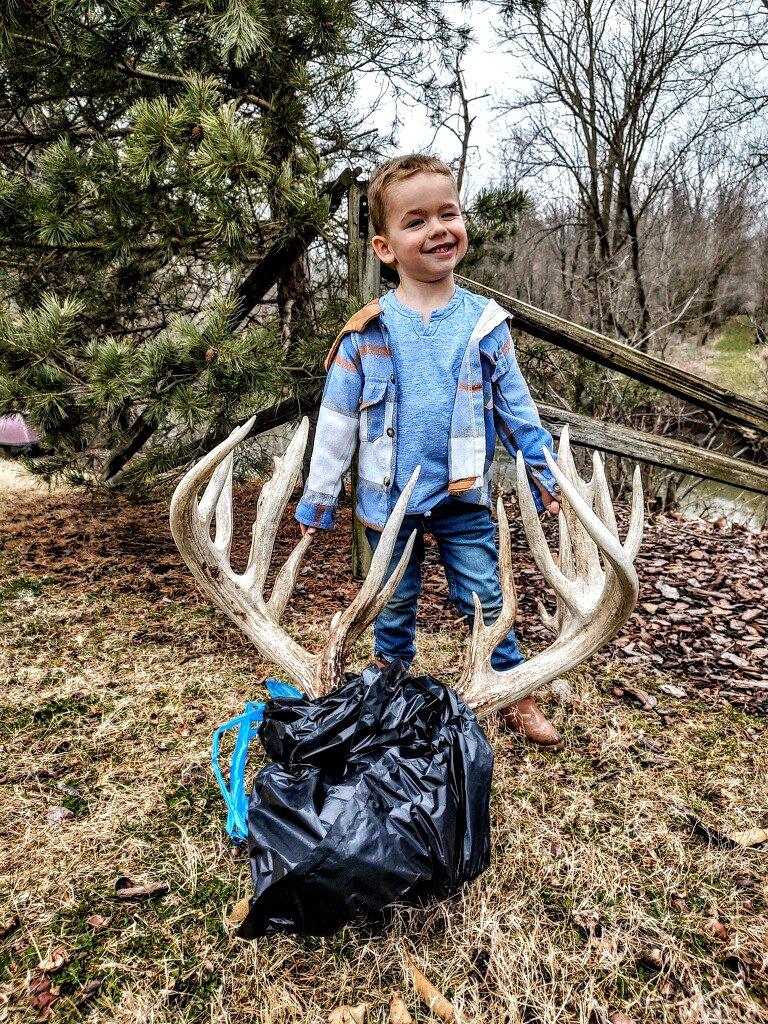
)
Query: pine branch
[
  {"x": 137, "y": 435},
  {"x": 283, "y": 253},
  {"x": 131, "y": 70}
]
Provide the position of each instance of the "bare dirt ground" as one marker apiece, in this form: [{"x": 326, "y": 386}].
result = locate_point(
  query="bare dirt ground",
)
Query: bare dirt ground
[{"x": 622, "y": 880}]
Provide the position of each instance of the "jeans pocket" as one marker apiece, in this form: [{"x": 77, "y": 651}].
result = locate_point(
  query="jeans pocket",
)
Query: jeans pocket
[{"x": 373, "y": 409}]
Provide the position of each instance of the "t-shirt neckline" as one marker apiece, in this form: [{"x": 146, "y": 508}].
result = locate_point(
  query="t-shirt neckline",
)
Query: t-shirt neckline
[{"x": 415, "y": 314}]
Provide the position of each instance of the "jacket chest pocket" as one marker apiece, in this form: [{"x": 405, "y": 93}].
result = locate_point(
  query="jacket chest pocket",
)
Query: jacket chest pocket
[{"x": 373, "y": 407}]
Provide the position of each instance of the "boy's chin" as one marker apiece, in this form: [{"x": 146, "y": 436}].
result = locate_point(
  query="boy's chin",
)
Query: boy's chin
[{"x": 432, "y": 270}]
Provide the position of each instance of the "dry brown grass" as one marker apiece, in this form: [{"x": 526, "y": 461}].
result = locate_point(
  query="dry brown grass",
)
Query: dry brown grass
[{"x": 600, "y": 896}]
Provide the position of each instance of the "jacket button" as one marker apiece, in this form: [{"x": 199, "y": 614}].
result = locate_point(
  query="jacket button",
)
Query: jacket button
[
  {"x": 386, "y": 481},
  {"x": 393, "y": 379},
  {"x": 390, "y": 431}
]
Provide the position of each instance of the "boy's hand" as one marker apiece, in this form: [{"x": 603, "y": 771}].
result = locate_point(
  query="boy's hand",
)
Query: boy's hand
[
  {"x": 311, "y": 530},
  {"x": 552, "y": 505}
]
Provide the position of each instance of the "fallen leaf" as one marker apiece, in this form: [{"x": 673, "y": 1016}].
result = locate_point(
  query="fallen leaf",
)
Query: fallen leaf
[
  {"x": 398, "y": 1012},
  {"x": 8, "y": 926},
  {"x": 620, "y": 1018},
  {"x": 716, "y": 929},
  {"x": 673, "y": 691},
  {"x": 46, "y": 1000},
  {"x": 39, "y": 985},
  {"x": 651, "y": 957},
  {"x": 750, "y": 837},
  {"x": 561, "y": 690},
  {"x": 435, "y": 1000},
  {"x": 54, "y": 961},
  {"x": 57, "y": 815},
  {"x": 88, "y": 991},
  {"x": 348, "y": 1014},
  {"x": 646, "y": 700},
  {"x": 97, "y": 921},
  {"x": 126, "y": 890},
  {"x": 239, "y": 912},
  {"x": 44, "y": 994}
]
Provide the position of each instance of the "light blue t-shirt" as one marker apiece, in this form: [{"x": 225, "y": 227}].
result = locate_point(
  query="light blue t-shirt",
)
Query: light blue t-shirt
[{"x": 427, "y": 361}]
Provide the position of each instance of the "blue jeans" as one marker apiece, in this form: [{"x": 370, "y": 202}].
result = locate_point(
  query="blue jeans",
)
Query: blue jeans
[{"x": 465, "y": 538}]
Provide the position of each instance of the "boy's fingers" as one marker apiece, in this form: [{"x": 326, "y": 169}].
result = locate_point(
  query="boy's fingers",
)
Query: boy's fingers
[{"x": 552, "y": 505}]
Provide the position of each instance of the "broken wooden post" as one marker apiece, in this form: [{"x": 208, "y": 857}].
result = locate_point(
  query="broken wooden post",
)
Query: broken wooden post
[{"x": 364, "y": 284}]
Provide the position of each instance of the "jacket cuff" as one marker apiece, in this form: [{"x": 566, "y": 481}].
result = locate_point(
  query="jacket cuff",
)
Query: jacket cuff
[
  {"x": 316, "y": 510},
  {"x": 547, "y": 480}
]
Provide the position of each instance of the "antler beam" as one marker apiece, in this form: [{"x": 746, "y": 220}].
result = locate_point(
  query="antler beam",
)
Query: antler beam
[{"x": 594, "y": 598}]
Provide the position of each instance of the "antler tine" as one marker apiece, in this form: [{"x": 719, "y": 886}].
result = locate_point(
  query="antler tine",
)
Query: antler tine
[
  {"x": 636, "y": 516},
  {"x": 223, "y": 537},
  {"x": 603, "y": 503},
  {"x": 579, "y": 553},
  {"x": 604, "y": 539},
  {"x": 286, "y": 579},
  {"x": 537, "y": 542},
  {"x": 485, "y": 639},
  {"x": 271, "y": 505},
  {"x": 186, "y": 514},
  {"x": 348, "y": 625}
]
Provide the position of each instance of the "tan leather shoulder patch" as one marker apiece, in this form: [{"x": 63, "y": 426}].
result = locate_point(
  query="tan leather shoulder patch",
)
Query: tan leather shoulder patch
[
  {"x": 457, "y": 486},
  {"x": 357, "y": 322}
]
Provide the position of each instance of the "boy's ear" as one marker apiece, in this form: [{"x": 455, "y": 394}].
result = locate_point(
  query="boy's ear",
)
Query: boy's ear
[{"x": 382, "y": 249}]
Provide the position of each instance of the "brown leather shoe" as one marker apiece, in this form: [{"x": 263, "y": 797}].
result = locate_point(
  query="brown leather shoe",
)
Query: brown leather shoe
[{"x": 526, "y": 717}]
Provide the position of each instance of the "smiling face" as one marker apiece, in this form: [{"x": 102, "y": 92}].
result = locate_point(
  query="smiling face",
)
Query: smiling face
[{"x": 424, "y": 237}]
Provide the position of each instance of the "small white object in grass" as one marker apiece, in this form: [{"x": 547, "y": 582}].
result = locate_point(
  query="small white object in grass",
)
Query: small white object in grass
[
  {"x": 673, "y": 691},
  {"x": 561, "y": 690},
  {"x": 58, "y": 815},
  {"x": 349, "y": 1014}
]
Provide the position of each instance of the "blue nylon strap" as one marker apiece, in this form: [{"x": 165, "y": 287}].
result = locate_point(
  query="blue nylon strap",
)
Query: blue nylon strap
[{"x": 247, "y": 725}]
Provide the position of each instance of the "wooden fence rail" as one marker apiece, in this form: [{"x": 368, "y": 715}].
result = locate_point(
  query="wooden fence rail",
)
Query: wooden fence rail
[{"x": 666, "y": 452}]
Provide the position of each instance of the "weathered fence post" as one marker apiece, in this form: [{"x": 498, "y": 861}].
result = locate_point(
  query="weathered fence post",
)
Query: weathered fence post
[{"x": 364, "y": 283}]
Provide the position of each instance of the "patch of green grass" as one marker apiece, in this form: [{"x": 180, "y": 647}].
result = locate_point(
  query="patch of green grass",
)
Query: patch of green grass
[
  {"x": 23, "y": 587},
  {"x": 734, "y": 368}
]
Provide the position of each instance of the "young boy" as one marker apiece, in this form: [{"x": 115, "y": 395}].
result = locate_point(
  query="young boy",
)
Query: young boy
[{"x": 425, "y": 376}]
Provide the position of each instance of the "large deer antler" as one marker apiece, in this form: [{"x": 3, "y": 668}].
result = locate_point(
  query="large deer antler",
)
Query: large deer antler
[
  {"x": 594, "y": 597},
  {"x": 241, "y": 595}
]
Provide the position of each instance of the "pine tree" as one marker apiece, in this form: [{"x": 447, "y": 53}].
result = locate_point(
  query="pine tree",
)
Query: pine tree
[{"x": 171, "y": 235}]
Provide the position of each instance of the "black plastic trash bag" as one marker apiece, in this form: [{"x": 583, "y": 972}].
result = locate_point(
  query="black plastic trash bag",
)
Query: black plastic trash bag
[{"x": 379, "y": 793}]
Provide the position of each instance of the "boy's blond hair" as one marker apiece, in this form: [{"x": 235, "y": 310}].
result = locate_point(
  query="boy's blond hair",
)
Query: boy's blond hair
[{"x": 398, "y": 169}]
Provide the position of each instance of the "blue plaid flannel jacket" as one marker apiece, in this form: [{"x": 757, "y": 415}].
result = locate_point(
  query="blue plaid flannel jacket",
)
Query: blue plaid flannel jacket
[{"x": 359, "y": 404}]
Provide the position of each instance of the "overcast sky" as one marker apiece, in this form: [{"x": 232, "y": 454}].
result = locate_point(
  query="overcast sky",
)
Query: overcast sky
[{"x": 486, "y": 70}]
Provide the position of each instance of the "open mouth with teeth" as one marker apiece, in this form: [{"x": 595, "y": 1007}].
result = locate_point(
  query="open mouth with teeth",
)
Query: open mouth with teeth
[{"x": 441, "y": 249}]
